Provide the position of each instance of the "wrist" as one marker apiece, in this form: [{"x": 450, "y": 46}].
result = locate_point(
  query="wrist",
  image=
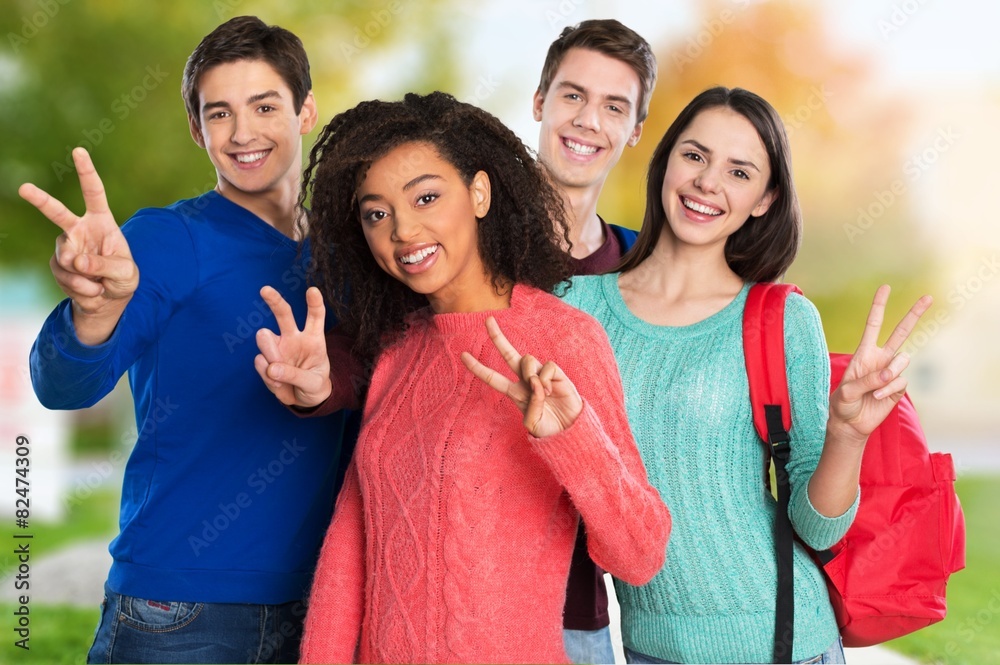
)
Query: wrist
[
  {"x": 93, "y": 327},
  {"x": 840, "y": 433}
]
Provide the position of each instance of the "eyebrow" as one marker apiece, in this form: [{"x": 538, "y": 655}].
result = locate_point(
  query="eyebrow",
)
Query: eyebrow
[
  {"x": 407, "y": 187},
  {"x": 707, "y": 151},
  {"x": 252, "y": 99},
  {"x": 618, "y": 99}
]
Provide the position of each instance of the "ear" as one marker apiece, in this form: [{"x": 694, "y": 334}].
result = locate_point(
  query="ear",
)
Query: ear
[
  {"x": 536, "y": 105},
  {"x": 481, "y": 194},
  {"x": 636, "y": 135},
  {"x": 195, "y": 130},
  {"x": 765, "y": 203},
  {"x": 308, "y": 116}
]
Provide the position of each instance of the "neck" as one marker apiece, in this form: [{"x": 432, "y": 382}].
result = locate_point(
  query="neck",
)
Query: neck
[
  {"x": 278, "y": 206},
  {"x": 480, "y": 297},
  {"x": 585, "y": 231},
  {"x": 676, "y": 272}
]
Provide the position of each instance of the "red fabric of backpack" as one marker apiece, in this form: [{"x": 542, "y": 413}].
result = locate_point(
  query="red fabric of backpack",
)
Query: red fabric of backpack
[{"x": 887, "y": 576}]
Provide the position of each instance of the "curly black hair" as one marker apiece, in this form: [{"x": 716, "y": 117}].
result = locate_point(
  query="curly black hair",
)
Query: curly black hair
[{"x": 520, "y": 238}]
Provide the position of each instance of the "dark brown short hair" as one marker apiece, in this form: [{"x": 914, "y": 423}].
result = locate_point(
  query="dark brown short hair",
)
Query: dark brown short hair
[
  {"x": 764, "y": 247},
  {"x": 613, "y": 39},
  {"x": 248, "y": 38}
]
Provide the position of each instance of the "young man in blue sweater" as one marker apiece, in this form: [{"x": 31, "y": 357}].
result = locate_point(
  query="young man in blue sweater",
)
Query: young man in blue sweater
[
  {"x": 227, "y": 494},
  {"x": 591, "y": 101}
]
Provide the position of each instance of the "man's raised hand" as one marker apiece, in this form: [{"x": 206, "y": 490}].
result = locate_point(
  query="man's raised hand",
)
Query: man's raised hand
[
  {"x": 294, "y": 364},
  {"x": 92, "y": 263}
]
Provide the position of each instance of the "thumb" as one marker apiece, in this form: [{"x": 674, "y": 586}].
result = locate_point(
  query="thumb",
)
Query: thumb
[{"x": 110, "y": 268}]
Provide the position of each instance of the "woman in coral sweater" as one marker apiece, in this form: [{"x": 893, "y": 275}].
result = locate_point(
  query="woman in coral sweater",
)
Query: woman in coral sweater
[{"x": 453, "y": 535}]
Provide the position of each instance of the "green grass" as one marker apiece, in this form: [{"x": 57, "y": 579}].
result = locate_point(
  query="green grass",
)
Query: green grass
[
  {"x": 970, "y": 635},
  {"x": 59, "y": 634},
  {"x": 89, "y": 516}
]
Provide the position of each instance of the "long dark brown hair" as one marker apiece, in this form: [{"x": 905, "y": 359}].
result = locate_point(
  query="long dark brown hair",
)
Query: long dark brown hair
[
  {"x": 764, "y": 247},
  {"x": 519, "y": 238}
]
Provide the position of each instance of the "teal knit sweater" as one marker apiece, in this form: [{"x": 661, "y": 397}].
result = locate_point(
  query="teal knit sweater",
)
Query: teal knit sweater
[{"x": 688, "y": 406}]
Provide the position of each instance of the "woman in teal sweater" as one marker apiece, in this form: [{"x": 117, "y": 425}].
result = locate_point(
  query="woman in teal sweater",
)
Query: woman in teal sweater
[{"x": 722, "y": 214}]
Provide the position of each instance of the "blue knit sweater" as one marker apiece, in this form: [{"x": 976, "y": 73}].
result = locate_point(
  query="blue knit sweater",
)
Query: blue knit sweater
[
  {"x": 227, "y": 494},
  {"x": 688, "y": 405}
]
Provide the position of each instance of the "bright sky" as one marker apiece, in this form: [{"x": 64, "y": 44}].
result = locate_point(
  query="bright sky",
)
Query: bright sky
[{"x": 925, "y": 45}]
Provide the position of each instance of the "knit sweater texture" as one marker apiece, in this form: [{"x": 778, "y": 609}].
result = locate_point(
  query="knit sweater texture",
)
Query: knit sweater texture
[
  {"x": 688, "y": 404},
  {"x": 452, "y": 537}
]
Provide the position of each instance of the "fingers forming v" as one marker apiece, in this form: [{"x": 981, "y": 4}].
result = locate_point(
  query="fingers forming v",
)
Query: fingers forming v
[
  {"x": 903, "y": 329},
  {"x": 281, "y": 309}
]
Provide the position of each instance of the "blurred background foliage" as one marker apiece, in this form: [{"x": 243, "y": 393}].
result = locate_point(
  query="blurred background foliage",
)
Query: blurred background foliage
[{"x": 106, "y": 75}]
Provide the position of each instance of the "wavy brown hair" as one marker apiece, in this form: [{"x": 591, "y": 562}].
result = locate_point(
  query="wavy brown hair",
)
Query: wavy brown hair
[
  {"x": 764, "y": 247},
  {"x": 518, "y": 241}
]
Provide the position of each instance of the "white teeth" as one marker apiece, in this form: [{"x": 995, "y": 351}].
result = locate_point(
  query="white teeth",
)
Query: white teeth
[
  {"x": 697, "y": 207},
  {"x": 579, "y": 148},
  {"x": 251, "y": 157},
  {"x": 419, "y": 255}
]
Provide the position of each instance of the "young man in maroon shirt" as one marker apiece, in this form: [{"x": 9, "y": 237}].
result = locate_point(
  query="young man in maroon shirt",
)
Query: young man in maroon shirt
[{"x": 591, "y": 101}]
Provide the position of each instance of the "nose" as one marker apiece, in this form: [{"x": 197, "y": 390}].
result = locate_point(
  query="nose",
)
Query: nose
[
  {"x": 405, "y": 227},
  {"x": 243, "y": 132},
  {"x": 588, "y": 117},
  {"x": 707, "y": 181}
]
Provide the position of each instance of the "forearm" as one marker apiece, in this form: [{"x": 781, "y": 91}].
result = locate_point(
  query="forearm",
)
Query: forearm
[
  {"x": 65, "y": 373},
  {"x": 627, "y": 522},
  {"x": 833, "y": 487}
]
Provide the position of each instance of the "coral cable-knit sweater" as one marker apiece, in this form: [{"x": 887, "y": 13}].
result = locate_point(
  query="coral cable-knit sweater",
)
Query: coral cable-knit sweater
[{"x": 452, "y": 537}]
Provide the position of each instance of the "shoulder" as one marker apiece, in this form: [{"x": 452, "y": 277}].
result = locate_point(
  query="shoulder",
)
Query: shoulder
[
  {"x": 805, "y": 341},
  {"x": 582, "y": 290},
  {"x": 626, "y": 237},
  {"x": 563, "y": 328},
  {"x": 167, "y": 224},
  {"x": 801, "y": 315}
]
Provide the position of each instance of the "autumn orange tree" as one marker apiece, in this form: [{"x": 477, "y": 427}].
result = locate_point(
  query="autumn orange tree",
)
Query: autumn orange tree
[{"x": 847, "y": 138}]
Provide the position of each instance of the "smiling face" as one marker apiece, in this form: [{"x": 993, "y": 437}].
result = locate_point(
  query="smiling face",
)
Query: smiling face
[
  {"x": 716, "y": 178},
  {"x": 588, "y": 116},
  {"x": 249, "y": 127},
  {"x": 420, "y": 220}
]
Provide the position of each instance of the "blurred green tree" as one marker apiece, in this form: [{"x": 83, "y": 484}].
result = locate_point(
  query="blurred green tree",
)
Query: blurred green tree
[{"x": 107, "y": 76}]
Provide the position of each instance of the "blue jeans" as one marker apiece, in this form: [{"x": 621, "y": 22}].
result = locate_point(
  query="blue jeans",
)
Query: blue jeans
[
  {"x": 589, "y": 646},
  {"x": 135, "y": 630},
  {"x": 835, "y": 654}
]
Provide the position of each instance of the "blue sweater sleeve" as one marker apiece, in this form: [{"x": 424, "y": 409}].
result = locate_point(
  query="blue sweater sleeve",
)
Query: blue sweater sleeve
[
  {"x": 67, "y": 374},
  {"x": 808, "y": 368}
]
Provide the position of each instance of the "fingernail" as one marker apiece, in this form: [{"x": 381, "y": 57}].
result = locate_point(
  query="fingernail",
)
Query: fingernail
[
  {"x": 885, "y": 375},
  {"x": 878, "y": 394}
]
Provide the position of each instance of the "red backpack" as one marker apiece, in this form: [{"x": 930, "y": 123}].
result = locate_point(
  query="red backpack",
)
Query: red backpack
[{"x": 887, "y": 575}]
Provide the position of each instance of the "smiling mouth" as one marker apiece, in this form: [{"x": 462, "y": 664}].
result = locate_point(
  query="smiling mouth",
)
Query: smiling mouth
[
  {"x": 579, "y": 148},
  {"x": 419, "y": 255},
  {"x": 251, "y": 157},
  {"x": 700, "y": 208}
]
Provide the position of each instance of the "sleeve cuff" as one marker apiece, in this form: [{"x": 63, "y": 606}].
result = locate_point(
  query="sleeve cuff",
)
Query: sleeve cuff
[
  {"x": 823, "y": 532},
  {"x": 65, "y": 340}
]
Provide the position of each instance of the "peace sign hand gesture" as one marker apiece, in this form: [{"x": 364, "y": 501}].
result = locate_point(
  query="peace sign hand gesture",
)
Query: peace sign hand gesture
[
  {"x": 543, "y": 393},
  {"x": 872, "y": 385},
  {"x": 295, "y": 365},
  {"x": 92, "y": 263}
]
